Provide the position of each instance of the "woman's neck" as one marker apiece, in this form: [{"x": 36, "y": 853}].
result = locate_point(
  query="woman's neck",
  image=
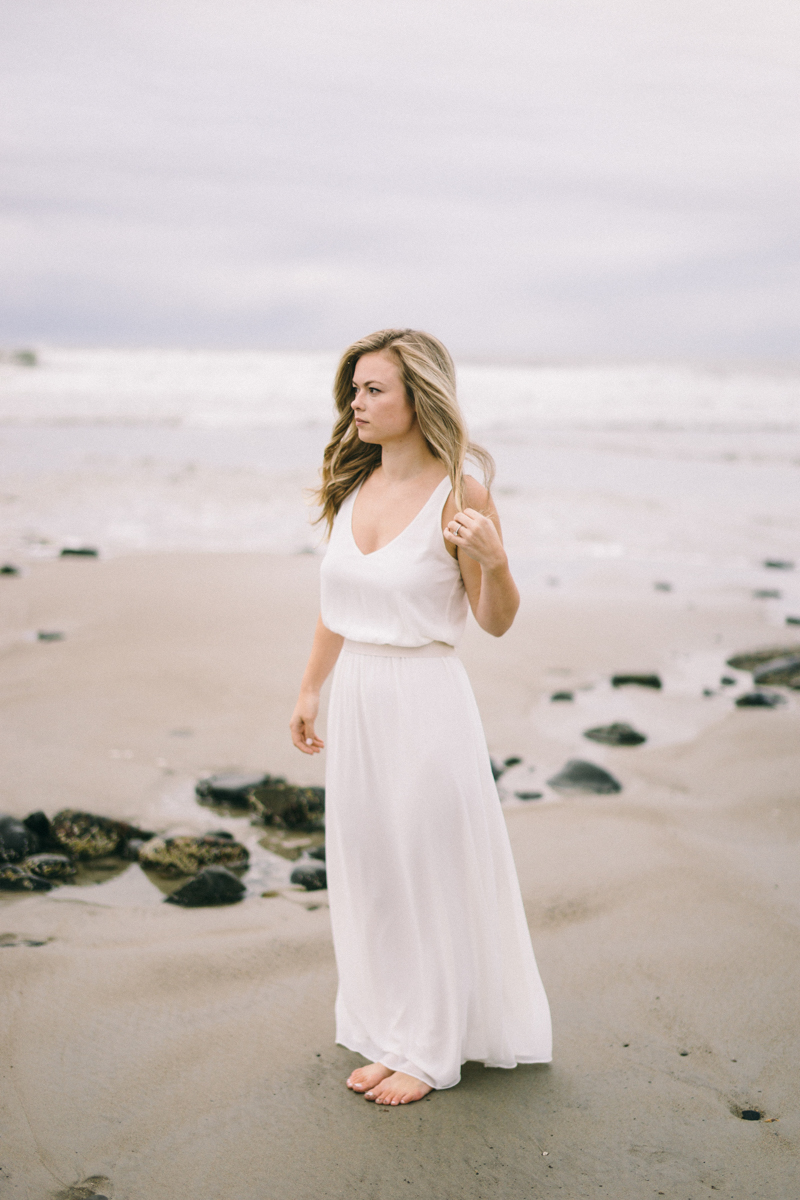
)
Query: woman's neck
[{"x": 406, "y": 459}]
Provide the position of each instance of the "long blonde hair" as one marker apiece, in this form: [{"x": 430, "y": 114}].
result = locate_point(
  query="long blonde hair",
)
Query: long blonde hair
[{"x": 429, "y": 376}]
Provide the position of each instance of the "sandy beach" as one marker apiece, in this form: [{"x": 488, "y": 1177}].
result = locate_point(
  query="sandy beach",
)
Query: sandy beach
[{"x": 153, "y": 1051}]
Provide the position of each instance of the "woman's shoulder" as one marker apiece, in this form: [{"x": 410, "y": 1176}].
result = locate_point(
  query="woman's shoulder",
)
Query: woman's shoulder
[{"x": 476, "y": 495}]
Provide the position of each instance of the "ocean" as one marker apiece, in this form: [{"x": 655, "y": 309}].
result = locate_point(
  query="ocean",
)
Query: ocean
[{"x": 608, "y": 475}]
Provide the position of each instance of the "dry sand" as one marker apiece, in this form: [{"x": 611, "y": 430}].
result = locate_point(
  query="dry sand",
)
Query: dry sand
[{"x": 166, "y": 1054}]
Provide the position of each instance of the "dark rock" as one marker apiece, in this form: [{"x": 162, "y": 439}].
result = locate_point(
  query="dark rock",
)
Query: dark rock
[
  {"x": 751, "y": 1114},
  {"x": 9, "y": 569},
  {"x": 289, "y": 807},
  {"x": 212, "y": 885},
  {"x": 513, "y": 761},
  {"x": 185, "y": 855},
  {"x": 780, "y": 671},
  {"x": 779, "y": 564},
  {"x": 49, "y": 866},
  {"x": 318, "y": 852},
  {"x": 618, "y": 734},
  {"x": 85, "y": 835},
  {"x": 650, "y": 681},
  {"x": 580, "y": 776},
  {"x": 529, "y": 795},
  {"x": 223, "y": 833},
  {"x": 663, "y": 587},
  {"x": 751, "y": 660},
  {"x": 726, "y": 681},
  {"x": 38, "y": 823},
  {"x": 229, "y": 789},
  {"x": 79, "y": 552},
  {"x": 15, "y": 879},
  {"x": 312, "y": 876},
  {"x": 793, "y": 620},
  {"x": 708, "y": 691},
  {"x": 766, "y": 594},
  {"x": 50, "y": 635},
  {"x": 562, "y": 696},
  {"x": 16, "y": 840},
  {"x": 760, "y": 700}
]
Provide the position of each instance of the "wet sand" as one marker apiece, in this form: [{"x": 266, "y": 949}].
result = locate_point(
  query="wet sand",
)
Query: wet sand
[{"x": 166, "y": 1053}]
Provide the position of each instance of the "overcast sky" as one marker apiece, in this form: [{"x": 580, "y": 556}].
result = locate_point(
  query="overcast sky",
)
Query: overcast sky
[{"x": 526, "y": 178}]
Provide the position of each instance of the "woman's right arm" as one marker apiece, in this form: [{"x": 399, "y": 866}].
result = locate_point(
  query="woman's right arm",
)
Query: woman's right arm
[{"x": 324, "y": 653}]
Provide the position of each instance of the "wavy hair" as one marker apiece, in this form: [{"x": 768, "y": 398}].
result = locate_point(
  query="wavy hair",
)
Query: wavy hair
[{"x": 429, "y": 376}]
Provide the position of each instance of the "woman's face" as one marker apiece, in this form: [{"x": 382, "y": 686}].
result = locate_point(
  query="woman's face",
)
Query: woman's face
[{"x": 380, "y": 404}]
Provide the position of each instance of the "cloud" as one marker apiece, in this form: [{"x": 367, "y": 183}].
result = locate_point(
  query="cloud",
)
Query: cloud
[{"x": 525, "y": 178}]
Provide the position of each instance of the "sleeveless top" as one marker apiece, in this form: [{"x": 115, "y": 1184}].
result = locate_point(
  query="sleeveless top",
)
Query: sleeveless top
[{"x": 408, "y": 593}]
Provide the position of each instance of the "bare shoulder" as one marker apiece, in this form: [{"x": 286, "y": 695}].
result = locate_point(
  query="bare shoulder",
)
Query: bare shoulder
[{"x": 477, "y": 496}]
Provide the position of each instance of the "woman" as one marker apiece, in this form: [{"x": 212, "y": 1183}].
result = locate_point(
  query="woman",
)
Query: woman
[{"x": 434, "y": 957}]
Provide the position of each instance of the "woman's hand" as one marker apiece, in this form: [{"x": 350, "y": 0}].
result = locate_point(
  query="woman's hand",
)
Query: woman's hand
[
  {"x": 302, "y": 724},
  {"x": 477, "y": 536}
]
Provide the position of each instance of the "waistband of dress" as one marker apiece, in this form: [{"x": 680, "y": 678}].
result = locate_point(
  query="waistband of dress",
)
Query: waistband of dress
[{"x": 431, "y": 650}]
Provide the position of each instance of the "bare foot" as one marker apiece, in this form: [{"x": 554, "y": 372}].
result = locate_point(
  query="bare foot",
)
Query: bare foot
[
  {"x": 398, "y": 1089},
  {"x": 366, "y": 1077}
]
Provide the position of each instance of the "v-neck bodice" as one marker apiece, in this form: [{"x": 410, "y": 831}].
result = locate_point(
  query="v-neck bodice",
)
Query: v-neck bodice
[{"x": 406, "y": 593}]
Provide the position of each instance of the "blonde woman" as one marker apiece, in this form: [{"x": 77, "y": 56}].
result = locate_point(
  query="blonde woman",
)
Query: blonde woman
[{"x": 432, "y": 948}]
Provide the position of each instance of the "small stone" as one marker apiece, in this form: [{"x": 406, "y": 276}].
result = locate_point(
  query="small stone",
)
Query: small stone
[
  {"x": 212, "y": 885},
  {"x": 185, "y": 855},
  {"x": 9, "y": 569},
  {"x": 751, "y": 1114},
  {"x": 760, "y": 700},
  {"x": 779, "y": 564},
  {"x": 529, "y": 795},
  {"x": 229, "y": 789},
  {"x": 562, "y": 696},
  {"x": 663, "y": 587},
  {"x": 49, "y": 866},
  {"x": 618, "y": 734},
  {"x": 289, "y": 807},
  {"x": 766, "y": 594},
  {"x": 793, "y": 620},
  {"x": 513, "y": 761},
  {"x": 318, "y": 853},
  {"x": 49, "y": 635},
  {"x": 649, "y": 681},
  {"x": 79, "y": 552},
  {"x": 85, "y": 835},
  {"x": 16, "y": 840},
  {"x": 15, "y": 879},
  {"x": 312, "y": 876},
  {"x": 726, "y": 681},
  {"x": 581, "y": 776}
]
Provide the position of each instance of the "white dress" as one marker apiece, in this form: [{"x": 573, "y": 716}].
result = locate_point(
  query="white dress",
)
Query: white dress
[{"x": 433, "y": 953}]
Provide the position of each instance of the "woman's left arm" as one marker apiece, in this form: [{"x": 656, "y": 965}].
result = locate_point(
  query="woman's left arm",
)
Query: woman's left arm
[{"x": 475, "y": 532}]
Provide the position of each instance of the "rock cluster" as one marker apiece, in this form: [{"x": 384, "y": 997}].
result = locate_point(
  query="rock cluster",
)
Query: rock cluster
[
  {"x": 773, "y": 666},
  {"x": 270, "y": 797},
  {"x": 35, "y": 853}
]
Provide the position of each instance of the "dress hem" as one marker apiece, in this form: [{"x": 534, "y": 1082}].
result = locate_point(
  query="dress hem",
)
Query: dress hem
[{"x": 443, "y": 1087}]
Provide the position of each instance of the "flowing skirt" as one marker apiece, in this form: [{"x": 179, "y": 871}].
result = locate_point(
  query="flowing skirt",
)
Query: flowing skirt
[{"x": 432, "y": 948}]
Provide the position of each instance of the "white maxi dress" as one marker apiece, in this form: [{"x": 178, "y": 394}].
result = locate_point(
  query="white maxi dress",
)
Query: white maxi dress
[{"x": 432, "y": 948}]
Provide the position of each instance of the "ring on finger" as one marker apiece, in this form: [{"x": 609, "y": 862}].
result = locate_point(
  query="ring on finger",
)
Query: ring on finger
[{"x": 457, "y": 530}]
